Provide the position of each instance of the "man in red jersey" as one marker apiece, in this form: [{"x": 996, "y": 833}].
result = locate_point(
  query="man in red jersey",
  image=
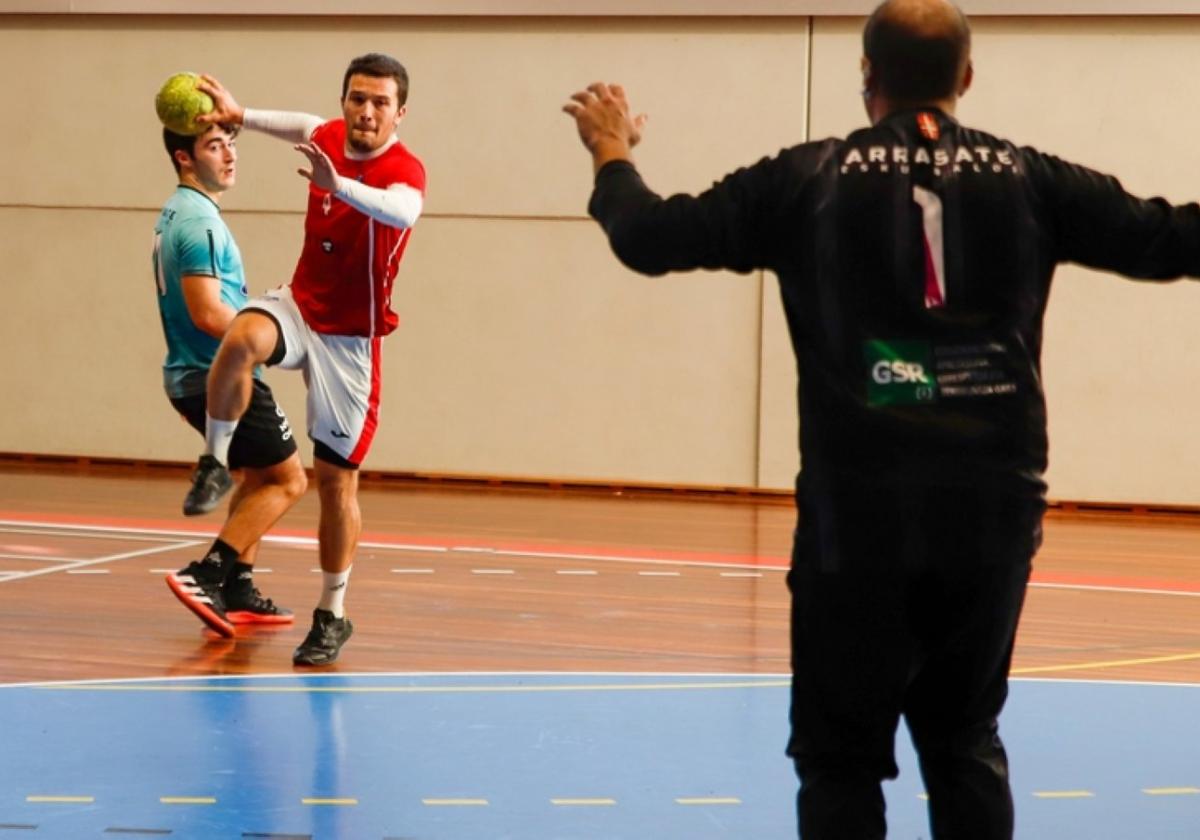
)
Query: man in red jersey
[{"x": 366, "y": 190}]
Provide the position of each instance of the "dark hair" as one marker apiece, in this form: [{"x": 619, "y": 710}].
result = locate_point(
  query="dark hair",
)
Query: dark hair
[
  {"x": 379, "y": 66},
  {"x": 187, "y": 142},
  {"x": 916, "y": 60}
]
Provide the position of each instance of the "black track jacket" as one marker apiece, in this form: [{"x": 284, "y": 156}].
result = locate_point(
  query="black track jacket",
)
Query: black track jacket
[{"x": 914, "y": 260}]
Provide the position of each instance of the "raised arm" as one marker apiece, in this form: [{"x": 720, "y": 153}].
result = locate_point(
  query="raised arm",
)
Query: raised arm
[
  {"x": 606, "y": 127},
  {"x": 733, "y": 225},
  {"x": 398, "y": 206},
  {"x": 291, "y": 126},
  {"x": 1098, "y": 224}
]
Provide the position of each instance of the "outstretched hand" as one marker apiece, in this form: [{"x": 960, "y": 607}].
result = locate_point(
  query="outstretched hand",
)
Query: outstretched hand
[
  {"x": 226, "y": 110},
  {"x": 605, "y": 125},
  {"x": 322, "y": 174}
]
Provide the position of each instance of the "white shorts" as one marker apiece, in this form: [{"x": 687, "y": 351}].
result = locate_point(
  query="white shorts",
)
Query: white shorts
[{"x": 342, "y": 373}]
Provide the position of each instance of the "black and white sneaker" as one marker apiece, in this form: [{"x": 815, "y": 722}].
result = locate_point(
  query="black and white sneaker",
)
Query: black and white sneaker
[
  {"x": 244, "y": 604},
  {"x": 324, "y": 641},
  {"x": 210, "y": 482},
  {"x": 202, "y": 595}
]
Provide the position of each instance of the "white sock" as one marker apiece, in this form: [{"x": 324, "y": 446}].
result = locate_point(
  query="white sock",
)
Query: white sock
[
  {"x": 333, "y": 592},
  {"x": 218, "y": 434}
]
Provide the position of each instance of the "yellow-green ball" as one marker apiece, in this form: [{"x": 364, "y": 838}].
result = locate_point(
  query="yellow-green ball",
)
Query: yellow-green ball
[{"x": 179, "y": 102}]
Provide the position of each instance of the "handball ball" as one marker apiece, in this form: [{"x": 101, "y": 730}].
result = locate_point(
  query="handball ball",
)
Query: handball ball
[{"x": 179, "y": 102}]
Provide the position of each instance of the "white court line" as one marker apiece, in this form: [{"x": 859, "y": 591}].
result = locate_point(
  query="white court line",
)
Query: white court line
[
  {"x": 38, "y": 558},
  {"x": 769, "y": 677},
  {"x": 88, "y": 571},
  {"x": 1124, "y": 590},
  {"x": 147, "y": 534},
  {"x": 614, "y": 558},
  {"x": 576, "y": 572},
  {"x": 436, "y": 549},
  {"x": 53, "y": 531},
  {"x": 257, "y": 571},
  {"x": 20, "y": 526},
  {"x": 81, "y": 564}
]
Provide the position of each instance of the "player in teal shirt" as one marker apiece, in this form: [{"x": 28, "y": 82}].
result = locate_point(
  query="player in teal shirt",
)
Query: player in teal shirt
[
  {"x": 191, "y": 239},
  {"x": 201, "y": 285}
]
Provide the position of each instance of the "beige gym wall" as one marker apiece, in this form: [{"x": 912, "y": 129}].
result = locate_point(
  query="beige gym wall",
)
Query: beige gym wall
[
  {"x": 1120, "y": 364},
  {"x": 525, "y": 349}
]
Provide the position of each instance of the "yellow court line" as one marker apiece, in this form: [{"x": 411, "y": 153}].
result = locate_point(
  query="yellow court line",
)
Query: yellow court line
[
  {"x": 188, "y": 800},
  {"x": 1115, "y": 663},
  {"x": 1176, "y": 791},
  {"x": 311, "y": 800},
  {"x": 1063, "y": 794},
  {"x": 454, "y": 802},
  {"x": 584, "y": 802},
  {"x": 417, "y": 689},
  {"x": 61, "y": 799},
  {"x": 709, "y": 800}
]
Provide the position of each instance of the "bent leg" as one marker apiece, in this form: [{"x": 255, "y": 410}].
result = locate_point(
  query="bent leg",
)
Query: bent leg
[
  {"x": 264, "y": 495},
  {"x": 252, "y": 339}
]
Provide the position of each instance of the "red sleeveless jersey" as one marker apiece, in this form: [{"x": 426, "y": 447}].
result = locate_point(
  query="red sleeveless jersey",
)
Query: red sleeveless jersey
[{"x": 343, "y": 281}]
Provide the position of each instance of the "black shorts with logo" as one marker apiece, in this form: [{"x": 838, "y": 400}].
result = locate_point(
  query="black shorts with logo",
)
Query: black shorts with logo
[{"x": 263, "y": 437}]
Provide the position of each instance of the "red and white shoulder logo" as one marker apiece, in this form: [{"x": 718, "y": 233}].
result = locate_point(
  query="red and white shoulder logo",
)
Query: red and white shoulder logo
[{"x": 928, "y": 126}]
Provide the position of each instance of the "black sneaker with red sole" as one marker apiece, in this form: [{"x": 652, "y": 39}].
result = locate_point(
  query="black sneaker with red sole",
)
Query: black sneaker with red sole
[
  {"x": 202, "y": 596},
  {"x": 244, "y": 604}
]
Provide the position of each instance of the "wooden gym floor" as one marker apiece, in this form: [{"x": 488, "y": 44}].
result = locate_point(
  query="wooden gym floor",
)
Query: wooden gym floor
[{"x": 527, "y": 585}]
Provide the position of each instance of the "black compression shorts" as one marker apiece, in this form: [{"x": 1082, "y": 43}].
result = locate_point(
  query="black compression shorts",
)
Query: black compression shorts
[{"x": 264, "y": 437}]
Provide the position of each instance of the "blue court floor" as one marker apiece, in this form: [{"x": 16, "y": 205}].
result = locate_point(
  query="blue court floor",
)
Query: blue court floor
[{"x": 537, "y": 757}]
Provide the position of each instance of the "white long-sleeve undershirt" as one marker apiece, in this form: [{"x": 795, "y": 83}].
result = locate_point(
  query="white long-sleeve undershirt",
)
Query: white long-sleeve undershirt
[
  {"x": 292, "y": 126},
  {"x": 398, "y": 206}
]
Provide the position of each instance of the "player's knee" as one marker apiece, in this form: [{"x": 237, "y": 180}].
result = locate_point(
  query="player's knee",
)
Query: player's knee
[
  {"x": 250, "y": 341},
  {"x": 292, "y": 480},
  {"x": 338, "y": 489},
  {"x": 235, "y": 353},
  {"x": 844, "y": 769},
  {"x": 978, "y": 744},
  {"x": 297, "y": 484},
  {"x": 336, "y": 495}
]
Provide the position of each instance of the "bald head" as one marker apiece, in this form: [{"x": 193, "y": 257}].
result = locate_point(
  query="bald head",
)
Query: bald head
[{"x": 918, "y": 49}]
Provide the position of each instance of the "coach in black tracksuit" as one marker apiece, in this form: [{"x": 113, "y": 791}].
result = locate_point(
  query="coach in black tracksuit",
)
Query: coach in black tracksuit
[{"x": 914, "y": 260}]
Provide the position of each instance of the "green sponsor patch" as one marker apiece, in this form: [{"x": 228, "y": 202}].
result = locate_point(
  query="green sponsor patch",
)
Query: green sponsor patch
[{"x": 899, "y": 372}]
